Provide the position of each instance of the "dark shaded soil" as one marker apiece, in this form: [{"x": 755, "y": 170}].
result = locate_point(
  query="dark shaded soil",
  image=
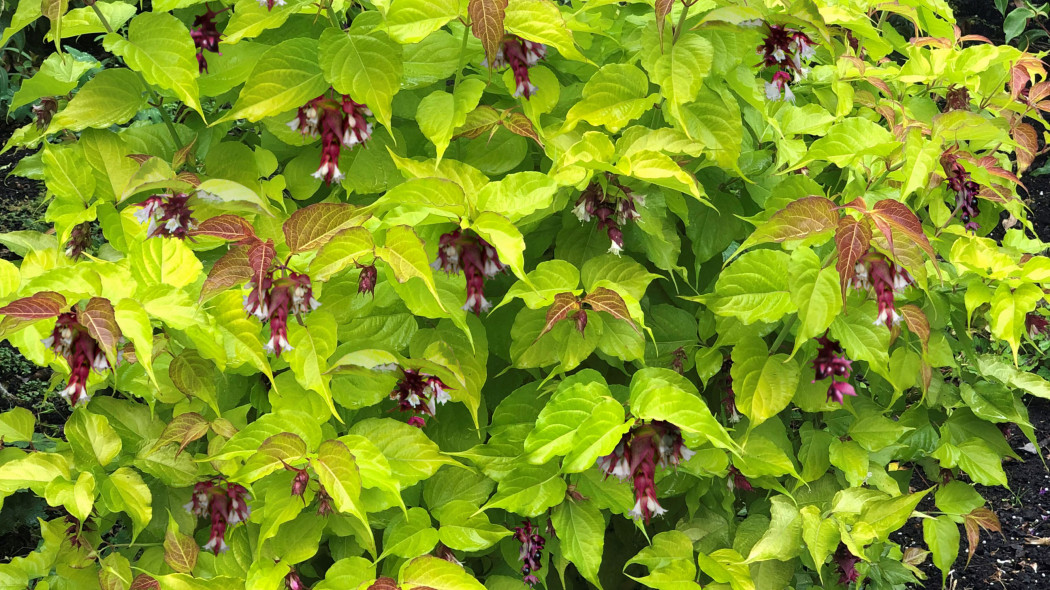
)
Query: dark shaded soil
[
  {"x": 1020, "y": 556},
  {"x": 20, "y": 198}
]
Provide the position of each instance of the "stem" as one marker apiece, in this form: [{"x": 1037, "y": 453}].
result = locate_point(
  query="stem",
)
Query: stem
[
  {"x": 788, "y": 324},
  {"x": 681, "y": 22},
  {"x": 462, "y": 57},
  {"x": 153, "y": 93}
]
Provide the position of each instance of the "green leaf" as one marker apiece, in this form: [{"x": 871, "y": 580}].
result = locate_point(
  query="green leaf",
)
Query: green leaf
[
  {"x": 662, "y": 394},
  {"x": 68, "y": 174},
  {"x": 990, "y": 366},
  {"x": 529, "y": 490},
  {"x": 942, "y": 537},
  {"x": 518, "y": 195},
  {"x": 92, "y": 438},
  {"x": 164, "y": 262},
  {"x": 505, "y": 237},
  {"x": 754, "y": 288},
  {"x": 409, "y": 535},
  {"x": 670, "y": 562},
  {"x": 413, "y": 457},
  {"x": 815, "y": 291},
  {"x": 284, "y": 79},
  {"x": 463, "y": 530},
  {"x": 410, "y": 21},
  {"x": 887, "y": 515},
  {"x": 680, "y": 72},
  {"x": 874, "y": 432},
  {"x": 364, "y": 66},
  {"x": 250, "y": 19},
  {"x": 312, "y": 344},
  {"x": 112, "y": 97},
  {"x": 436, "y": 573},
  {"x": 597, "y": 435},
  {"x": 547, "y": 280},
  {"x": 337, "y": 471},
  {"x": 848, "y": 141},
  {"x": 821, "y": 535},
  {"x": 345, "y": 248},
  {"x": 58, "y": 75},
  {"x": 1014, "y": 24},
  {"x": 581, "y": 530},
  {"x": 714, "y": 120},
  {"x": 659, "y": 169},
  {"x": 403, "y": 251},
  {"x": 557, "y": 423},
  {"x": 861, "y": 338},
  {"x": 348, "y": 572},
  {"x": 614, "y": 96},
  {"x": 764, "y": 384},
  {"x": 439, "y": 114},
  {"x": 541, "y": 21},
  {"x": 159, "y": 47}
]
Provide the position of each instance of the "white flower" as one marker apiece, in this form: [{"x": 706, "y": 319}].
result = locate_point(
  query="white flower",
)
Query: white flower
[
  {"x": 472, "y": 301},
  {"x": 654, "y": 508},
  {"x": 615, "y": 249},
  {"x": 216, "y": 545},
  {"x": 772, "y": 92},
  {"x": 581, "y": 212},
  {"x": 271, "y": 345}
]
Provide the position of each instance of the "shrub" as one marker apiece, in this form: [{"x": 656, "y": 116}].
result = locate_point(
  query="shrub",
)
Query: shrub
[{"x": 428, "y": 293}]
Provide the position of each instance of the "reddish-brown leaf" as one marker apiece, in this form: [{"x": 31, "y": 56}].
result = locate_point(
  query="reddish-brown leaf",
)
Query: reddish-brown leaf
[
  {"x": 917, "y": 323},
  {"x": 1027, "y": 145},
  {"x": 233, "y": 228},
  {"x": 926, "y": 372},
  {"x": 100, "y": 320},
  {"x": 1039, "y": 92},
  {"x": 889, "y": 214},
  {"x": 230, "y": 270},
  {"x": 180, "y": 551},
  {"x": 609, "y": 301},
  {"x": 310, "y": 227},
  {"x": 486, "y": 23},
  {"x": 519, "y": 124},
  {"x": 144, "y": 582},
  {"x": 479, "y": 121},
  {"x": 141, "y": 158},
  {"x": 223, "y": 427},
  {"x": 663, "y": 8},
  {"x": 852, "y": 240},
  {"x": 184, "y": 429},
  {"x": 564, "y": 304},
  {"x": 1019, "y": 78},
  {"x": 38, "y": 306},
  {"x": 384, "y": 584},
  {"x": 979, "y": 518},
  {"x": 189, "y": 178},
  {"x": 260, "y": 257},
  {"x": 183, "y": 154},
  {"x": 881, "y": 85}
]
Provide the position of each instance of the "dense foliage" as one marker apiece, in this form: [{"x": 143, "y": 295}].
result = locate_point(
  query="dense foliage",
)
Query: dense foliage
[{"x": 437, "y": 293}]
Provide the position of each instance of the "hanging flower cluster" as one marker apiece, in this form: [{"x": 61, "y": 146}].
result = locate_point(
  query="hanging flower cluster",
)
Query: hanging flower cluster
[
  {"x": 1035, "y": 324},
  {"x": 71, "y": 341},
  {"x": 79, "y": 240},
  {"x": 76, "y": 529},
  {"x": 519, "y": 54},
  {"x": 419, "y": 393},
  {"x": 729, "y": 401},
  {"x": 646, "y": 446},
  {"x": 340, "y": 122},
  {"x": 44, "y": 111},
  {"x": 965, "y": 191},
  {"x": 531, "y": 550},
  {"x": 224, "y": 503},
  {"x": 830, "y": 362},
  {"x": 786, "y": 50},
  {"x": 292, "y": 581},
  {"x": 269, "y": 4},
  {"x": 875, "y": 271},
  {"x": 366, "y": 281},
  {"x": 272, "y": 301},
  {"x": 325, "y": 505},
  {"x": 168, "y": 215},
  {"x": 205, "y": 35},
  {"x": 466, "y": 251},
  {"x": 299, "y": 481},
  {"x": 612, "y": 210},
  {"x": 847, "y": 563},
  {"x": 736, "y": 480}
]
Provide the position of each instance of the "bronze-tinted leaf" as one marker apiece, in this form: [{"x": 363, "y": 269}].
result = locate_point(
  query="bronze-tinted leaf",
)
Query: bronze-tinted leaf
[
  {"x": 852, "y": 240},
  {"x": 232, "y": 269},
  {"x": 1027, "y": 145},
  {"x": 917, "y": 323},
  {"x": 486, "y": 23},
  {"x": 144, "y": 582},
  {"x": 223, "y": 427},
  {"x": 100, "y": 320},
  {"x": 233, "y": 228},
  {"x": 519, "y": 124},
  {"x": 183, "y": 154},
  {"x": 260, "y": 258},
  {"x": 480, "y": 120},
  {"x": 54, "y": 10},
  {"x": 979, "y": 518},
  {"x": 609, "y": 301},
  {"x": 564, "y": 304},
  {"x": 184, "y": 429},
  {"x": 310, "y": 227},
  {"x": 38, "y": 306},
  {"x": 889, "y": 214},
  {"x": 663, "y": 8},
  {"x": 805, "y": 218},
  {"x": 384, "y": 584},
  {"x": 180, "y": 551}
]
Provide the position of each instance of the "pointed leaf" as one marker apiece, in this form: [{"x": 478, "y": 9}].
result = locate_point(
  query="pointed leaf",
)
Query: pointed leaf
[
  {"x": 564, "y": 304},
  {"x": 284, "y": 78},
  {"x": 609, "y": 301},
  {"x": 404, "y": 252},
  {"x": 38, "y": 306},
  {"x": 180, "y": 550},
  {"x": 852, "y": 240},
  {"x": 101, "y": 323},
  {"x": 345, "y": 248},
  {"x": 229, "y": 270},
  {"x": 917, "y": 323},
  {"x": 311, "y": 227},
  {"x": 519, "y": 124},
  {"x": 808, "y": 217},
  {"x": 364, "y": 66},
  {"x": 889, "y": 214},
  {"x": 486, "y": 23},
  {"x": 232, "y": 228},
  {"x": 184, "y": 429}
]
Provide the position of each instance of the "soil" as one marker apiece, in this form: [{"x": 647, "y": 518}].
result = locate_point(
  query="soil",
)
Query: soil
[{"x": 1019, "y": 557}]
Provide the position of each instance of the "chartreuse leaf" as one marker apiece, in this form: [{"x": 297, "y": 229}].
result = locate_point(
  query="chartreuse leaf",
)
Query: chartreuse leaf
[
  {"x": 820, "y": 535},
  {"x": 614, "y": 96},
  {"x": 545, "y": 282},
  {"x": 403, "y": 251},
  {"x": 180, "y": 550},
  {"x": 942, "y": 537},
  {"x": 411, "y": 21},
  {"x": 409, "y": 535},
  {"x": 412, "y": 456},
  {"x": 348, "y": 572},
  {"x": 861, "y": 338},
  {"x": 250, "y": 19},
  {"x": 365, "y": 66},
  {"x": 764, "y": 384},
  {"x": 557, "y": 423},
  {"x": 312, "y": 344},
  {"x": 16, "y": 425},
  {"x": 112, "y": 97},
  {"x": 92, "y": 438},
  {"x": 160, "y": 48},
  {"x": 506, "y": 238},
  {"x": 662, "y": 394},
  {"x": 338, "y": 473},
  {"x": 464, "y": 530},
  {"x": 714, "y": 120},
  {"x": 680, "y": 72},
  {"x": 669, "y": 559},
  {"x": 125, "y": 491},
  {"x": 541, "y": 21},
  {"x": 433, "y": 572},
  {"x": 815, "y": 292},
  {"x": 284, "y": 78},
  {"x": 1006, "y": 318},
  {"x": 783, "y": 540},
  {"x": 529, "y": 490},
  {"x": 581, "y": 530}
]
